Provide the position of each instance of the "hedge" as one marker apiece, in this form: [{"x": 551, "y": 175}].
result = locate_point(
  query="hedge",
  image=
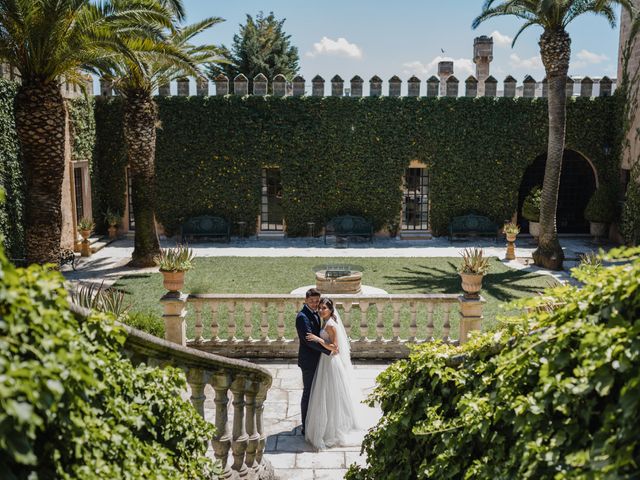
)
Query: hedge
[{"x": 347, "y": 155}]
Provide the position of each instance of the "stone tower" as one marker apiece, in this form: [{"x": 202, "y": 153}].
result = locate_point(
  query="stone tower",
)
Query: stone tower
[
  {"x": 482, "y": 57},
  {"x": 445, "y": 70}
]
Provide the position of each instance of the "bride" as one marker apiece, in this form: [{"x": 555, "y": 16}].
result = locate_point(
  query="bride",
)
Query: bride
[{"x": 333, "y": 419}]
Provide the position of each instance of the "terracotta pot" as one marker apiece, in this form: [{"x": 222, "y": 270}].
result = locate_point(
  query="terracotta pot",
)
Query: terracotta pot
[
  {"x": 173, "y": 281},
  {"x": 534, "y": 229},
  {"x": 113, "y": 231},
  {"x": 511, "y": 237},
  {"x": 85, "y": 234},
  {"x": 598, "y": 230},
  {"x": 471, "y": 284}
]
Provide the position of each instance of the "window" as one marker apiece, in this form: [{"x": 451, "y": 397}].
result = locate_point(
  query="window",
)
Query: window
[
  {"x": 415, "y": 204},
  {"x": 132, "y": 221},
  {"x": 271, "y": 211},
  {"x": 79, "y": 190}
]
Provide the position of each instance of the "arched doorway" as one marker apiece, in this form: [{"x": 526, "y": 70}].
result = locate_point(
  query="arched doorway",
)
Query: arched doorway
[{"x": 577, "y": 183}]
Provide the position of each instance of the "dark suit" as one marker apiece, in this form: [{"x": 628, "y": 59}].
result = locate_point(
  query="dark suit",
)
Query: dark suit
[{"x": 308, "y": 354}]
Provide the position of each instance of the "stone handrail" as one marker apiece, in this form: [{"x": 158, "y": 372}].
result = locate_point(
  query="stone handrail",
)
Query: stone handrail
[
  {"x": 247, "y": 382},
  {"x": 261, "y": 314}
]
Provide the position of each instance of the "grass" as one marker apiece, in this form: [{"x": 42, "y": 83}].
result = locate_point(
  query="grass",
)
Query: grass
[{"x": 284, "y": 274}]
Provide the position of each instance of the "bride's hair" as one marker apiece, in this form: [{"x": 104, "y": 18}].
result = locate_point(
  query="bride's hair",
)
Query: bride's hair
[{"x": 329, "y": 304}]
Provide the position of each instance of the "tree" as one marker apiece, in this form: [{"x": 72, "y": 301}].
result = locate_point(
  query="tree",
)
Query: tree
[
  {"x": 157, "y": 59},
  {"x": 261, "y": 46},
  {"x": 555, "y": 49},
  {"x": 46, "y": 41}
]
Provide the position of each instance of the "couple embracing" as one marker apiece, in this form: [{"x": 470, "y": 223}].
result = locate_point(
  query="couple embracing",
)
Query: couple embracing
[{"x": 330, "y": 403}]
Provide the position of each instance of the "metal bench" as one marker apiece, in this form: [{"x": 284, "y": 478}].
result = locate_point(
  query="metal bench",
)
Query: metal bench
[
  {"x": 472, "y": 224},
  {"x": 206, "y": 226},
  {"x": 348, "y": 226}
]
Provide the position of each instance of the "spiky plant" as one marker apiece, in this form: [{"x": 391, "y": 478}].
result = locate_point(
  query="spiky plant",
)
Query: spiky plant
[
  {"x": 177, "y": 259},
  {"x": 474, "y": 262}
]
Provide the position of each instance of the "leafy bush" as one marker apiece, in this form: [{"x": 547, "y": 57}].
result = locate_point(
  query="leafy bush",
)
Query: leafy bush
[
  {"x": 73, "y": 407},
  {"x": 557, "y": 397},
  {"x": 147, "y": 322},
  {"x": 631, "y": 212},
  {"x": 531, "y": 205},
  {"x": 602, "y": 206}
]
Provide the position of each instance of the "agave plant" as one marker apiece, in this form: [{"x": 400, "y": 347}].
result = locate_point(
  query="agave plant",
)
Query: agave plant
[
  {"x": 511, "y": 229},
  {"x": 473, "y": 262},
  {"x": 86, "y": 223},
  {"x": 97, "y": 297},
  {"x": 177, "y": 259}
]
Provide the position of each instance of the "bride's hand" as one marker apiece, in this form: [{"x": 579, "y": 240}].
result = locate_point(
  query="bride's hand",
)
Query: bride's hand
[{"x": 313, "y": 338}]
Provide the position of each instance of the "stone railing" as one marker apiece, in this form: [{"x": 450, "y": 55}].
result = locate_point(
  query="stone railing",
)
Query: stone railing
[
  {"x": 258, "y": 326},
  {"x": 248, "y": 384}
]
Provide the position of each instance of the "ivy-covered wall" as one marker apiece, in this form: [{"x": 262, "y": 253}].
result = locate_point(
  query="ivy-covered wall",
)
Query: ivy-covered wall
[{"x": 348, "y": 155}]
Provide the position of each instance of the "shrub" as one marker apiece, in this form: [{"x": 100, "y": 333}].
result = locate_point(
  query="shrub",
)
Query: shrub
[
  {"x": 531, "y": 205},
  {"x": 147, "y": 322},
  {"x": 601, "y": 207},
  {"x": 558, "y": 399},
  {"x": 73, "y": 407}
]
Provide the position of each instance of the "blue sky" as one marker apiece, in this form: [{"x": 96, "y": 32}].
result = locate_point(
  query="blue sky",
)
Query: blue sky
[{"x": 404, "y": 37}]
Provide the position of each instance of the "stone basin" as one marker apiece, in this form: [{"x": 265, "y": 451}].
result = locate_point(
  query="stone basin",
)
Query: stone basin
[{"x": 346, "y": 283}]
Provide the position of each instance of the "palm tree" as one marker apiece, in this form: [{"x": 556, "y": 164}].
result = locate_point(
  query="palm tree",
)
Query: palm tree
[
  {"x": 47, "y": 41},
  {"x": 555, "y": 49},
  {"x": 155, "y": 62}
]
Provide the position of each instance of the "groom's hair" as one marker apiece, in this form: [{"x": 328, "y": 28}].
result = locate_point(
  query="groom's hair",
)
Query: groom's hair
[{"x": 312, "y": 292}]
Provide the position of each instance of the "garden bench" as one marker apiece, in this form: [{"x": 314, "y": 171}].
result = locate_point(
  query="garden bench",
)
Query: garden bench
[
  {"x": 472, "y": 224},
  {"x": 206, "y": 226},
  {"x": 346, "y": 226}
]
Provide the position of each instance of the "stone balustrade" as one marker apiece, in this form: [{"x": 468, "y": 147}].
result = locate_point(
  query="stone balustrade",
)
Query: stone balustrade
[{"x": 258, "y": 326}]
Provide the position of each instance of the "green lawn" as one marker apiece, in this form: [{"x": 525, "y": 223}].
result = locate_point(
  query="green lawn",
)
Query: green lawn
[{"x": 282, "y": 275}]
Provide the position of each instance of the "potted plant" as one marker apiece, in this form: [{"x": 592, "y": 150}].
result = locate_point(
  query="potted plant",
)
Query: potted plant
[
  {"x": 85, "y": 226},
  {"x": 173, "y": 263},
  {"x": 473, "y": 267},
  {"x": 112, "y": 218},
  {"x": 531, "y": 210},
  {"x": 600, "y": 211},
  {"x": 511, "y": 230}
]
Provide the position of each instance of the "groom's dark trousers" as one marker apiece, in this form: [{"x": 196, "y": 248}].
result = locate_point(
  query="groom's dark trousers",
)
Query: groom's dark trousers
[{"x": 308, "y": 354}]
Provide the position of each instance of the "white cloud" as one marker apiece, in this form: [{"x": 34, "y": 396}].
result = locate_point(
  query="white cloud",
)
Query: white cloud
[
  {"x": 340, "y": 47},
  {"x": 462, "y": 67},
  {"x": 500, "y": 39},
  {"x": 532, "y": 63},
  {"x": 586, "y": 58}
]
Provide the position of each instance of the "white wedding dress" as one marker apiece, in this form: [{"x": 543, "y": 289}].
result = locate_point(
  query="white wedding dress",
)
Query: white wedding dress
[{"x": 335, "y": 417}]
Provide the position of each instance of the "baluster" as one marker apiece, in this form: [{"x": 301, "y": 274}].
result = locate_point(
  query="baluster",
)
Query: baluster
[
  {"x": 231, "y": 321},
  {"x": 281, "y": 306},
  {"x": 239, "y": 441},
  {"x": 380, "y": 322},
  {"x": 197, "y": 381},
  {"x": 364, "y": 325},
  {"x": 260, "y": 399},
  {"x": 252, "y": 432},
  {"x": 413, "y": 326},
  {"x": 248, "y": 324},
  {"x": 346, "y": 320},
  {"x": 198, "y": 308},
  {"x": 264, "y": 322},
  {"x": 222, "y": 440},
  {"x": 430, "y": 306},
  {"x": 446, "y": 327},
  {"x": 396, "y": 320},
  {"x": 214, "y": 307}
]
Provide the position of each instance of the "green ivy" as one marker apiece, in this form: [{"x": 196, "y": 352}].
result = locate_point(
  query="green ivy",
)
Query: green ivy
[
  {"x": 83, "y": 128},
  {"x": 554, "y": 396},
  {"x": 72, "y": 406},
  {"x": 347, "y": 155}
]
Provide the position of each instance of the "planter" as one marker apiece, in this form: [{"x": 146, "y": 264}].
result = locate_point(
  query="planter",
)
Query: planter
[
  {"x": 85, "y": 234},
  {"x": 534, "y": 229},
  {"x": 173, "y": 281},
  {"x": 598, "y": 229},
  {"x": 471, "y": 284},
  {"x": 511, "y": 237},
  {"x": 113, "y": 231}
]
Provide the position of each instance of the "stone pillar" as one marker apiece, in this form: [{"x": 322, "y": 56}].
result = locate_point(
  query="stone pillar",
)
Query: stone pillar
[
  {"x": 317, "y": 86},
  {"x": 470, "y": 315},
  {"x": 222, "y": 85},
  {"x": 482, "y": 57},
  {"x": 241, "y": 85},
  {"x": 337, "y": 86},
  {"x": 433, "y": 86},
  {"x": 240, "y": 439},
  {"x": 183, "y": 87},
  {"x": 452, "y": 86},
  {"x": 445, "y": 70},
  {"x": 490, "y": 87},
  {"x": 174, "y": 305},
  {"x": 356, "y": 86},
  {"x": 279, "y": 85},
  {"x": 164, "y": 89},
  {"x": 471, "y": 87},
  {"x": 260, "y": 84},
  {"x": 298, "y": 86},
  {"x": 202, "y": 87},
  {"x": 106, "y": 88},
  {"x": 221, "y": 443},
  {"x": 570, "y": 84},
  {"x": 413, "y": 87},
  {"x": 545, "y": 87},
  {"x": 586, "y": 87},
  {"x": 395, "y": 85},
  {"x": 509, "y": 87},
  {"x": 529, "y": 87},
  {"x": 375, "y": 86},
  {"x": 605, "y": 87}
]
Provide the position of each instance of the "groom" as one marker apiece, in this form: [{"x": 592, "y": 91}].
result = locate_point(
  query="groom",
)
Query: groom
[{"x": 308, "y": 321}]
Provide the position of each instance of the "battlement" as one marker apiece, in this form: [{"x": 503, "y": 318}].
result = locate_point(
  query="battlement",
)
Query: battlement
[{"x": 68, "y": 89}]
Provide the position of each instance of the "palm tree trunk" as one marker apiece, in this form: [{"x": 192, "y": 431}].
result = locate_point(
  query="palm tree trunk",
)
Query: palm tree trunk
[
  {"x": 140, "y": 114},
  {"x": 555, "y": 49},
  {"x": 40, "y": 125}
]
